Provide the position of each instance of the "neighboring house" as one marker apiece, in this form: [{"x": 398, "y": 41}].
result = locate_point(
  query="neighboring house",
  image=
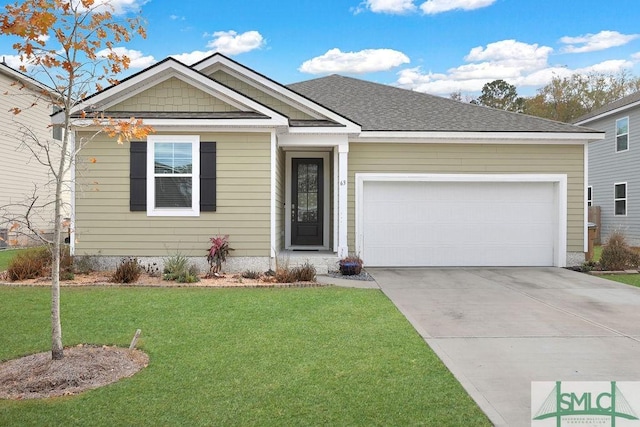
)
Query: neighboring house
[
  {"x": 614, "y": 167},
  {"x": 21, "y": 175},
  {"x": 334, "y": 165}
]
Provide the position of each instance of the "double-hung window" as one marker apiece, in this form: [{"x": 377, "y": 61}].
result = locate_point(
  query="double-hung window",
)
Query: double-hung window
[
  {"x": 622, "y": 134},
  {"x": 173, "y": 175},
  {"x": 620, "y": 198}
]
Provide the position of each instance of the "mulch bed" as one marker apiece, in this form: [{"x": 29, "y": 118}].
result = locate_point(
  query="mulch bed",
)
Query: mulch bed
[
  {"x": 102, "y": 278},
  {"x": 84, "y": 367}
]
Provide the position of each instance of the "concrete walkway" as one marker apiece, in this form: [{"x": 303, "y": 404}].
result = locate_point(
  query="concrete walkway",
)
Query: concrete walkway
[{"x": 498, "y": 329}]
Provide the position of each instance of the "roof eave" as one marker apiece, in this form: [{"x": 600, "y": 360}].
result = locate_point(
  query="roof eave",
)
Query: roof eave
[
  {"x": 478, "y": 137},
  {"x": 606, "y": 114}
]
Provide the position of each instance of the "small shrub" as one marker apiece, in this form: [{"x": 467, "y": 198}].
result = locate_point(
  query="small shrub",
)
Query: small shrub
[
  {"x": 303, "y": 273},
  {"x": 84, "y": 264},
  {"x": 152, "y": 269},
  {"x": 30, "y": 264},
  {"x": 35, "y": 262},
  {"x": 177, "y": 268},
  {"x": 189, "y": 276},
  {"x": 617, "y": 255},
  {"x": 251, "y": 274},
  {"x": 128, "y": 271},
  {"x": 67, "y": 275},
  {"x": 217, "y": 254}
]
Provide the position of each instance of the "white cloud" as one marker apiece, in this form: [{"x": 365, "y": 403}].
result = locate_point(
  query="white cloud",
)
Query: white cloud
[
  {"x": 14, "y": 62},
  {"x": 232, "y": 43},
  {"x": 612, "y": 66},
  {"x": 432, "y": 7},
  {"x": 521, "y": 64},
  {"x": 594, "y": 42},
  {"x": 364, "y": 61},
  {"x": 190, "y": 58},
  {"x": 138, "y": 60},
  {"x": 429, "y": 7},
  {"x": 389, "y": 6},
  {"x": 120, "y": 7},
  {"x": 511, "y": 54},
  {"x": 510, "y": 60}
]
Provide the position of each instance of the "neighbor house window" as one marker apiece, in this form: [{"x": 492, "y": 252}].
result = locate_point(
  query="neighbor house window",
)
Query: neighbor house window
[
  {"x": 57, "y": 129},
  {"x": 620, "y": 198},
  {"x": 622, "y": 134},
  {"x": 589, "y": 195},
  {"x": 173, "y": 171}
]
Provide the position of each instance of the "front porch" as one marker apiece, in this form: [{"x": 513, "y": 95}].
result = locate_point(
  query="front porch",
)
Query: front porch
[
  {"x": 323, "y": 261},
  {"x": 311, "y": 200}
]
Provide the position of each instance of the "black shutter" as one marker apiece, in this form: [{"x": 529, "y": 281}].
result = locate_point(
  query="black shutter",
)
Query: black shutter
[
  {"x": 138, "y": 176},
  {"x": 207, "y": 176}
]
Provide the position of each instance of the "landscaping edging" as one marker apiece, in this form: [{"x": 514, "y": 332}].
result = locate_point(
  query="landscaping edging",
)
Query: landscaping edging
[{"x": 604, "y": 273}]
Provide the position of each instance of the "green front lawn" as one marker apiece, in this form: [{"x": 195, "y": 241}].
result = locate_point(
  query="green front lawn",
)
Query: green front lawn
[
  {"x": 629, "y": 279},
  {"x": 302, "y": 356},
  {"x": 6, "y": 255},
  {"x": 597, "y": 253}
]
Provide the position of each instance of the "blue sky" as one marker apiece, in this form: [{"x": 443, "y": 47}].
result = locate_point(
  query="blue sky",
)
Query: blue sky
[{"x": 434, "y": 46}]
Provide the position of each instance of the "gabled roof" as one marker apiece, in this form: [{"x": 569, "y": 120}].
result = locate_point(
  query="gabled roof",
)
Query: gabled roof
[
  {"x": 29, "y": 81},
  {"x": 285, "y": 94},
  {"x": 163, "y": 70},
  {"x": 615, "y": 107},
  {"x": 378, "y": 107}
]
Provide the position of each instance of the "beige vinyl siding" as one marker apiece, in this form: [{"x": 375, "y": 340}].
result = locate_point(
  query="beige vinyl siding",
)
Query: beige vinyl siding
[
  {"x": 475, "y": 158},
  {"x": 20, "y": 173},
  {"x": 173, "y": 95},
  {"x": 260, "y": 96},
  {"x": 280, "y": 198},
  {"x": 105, "y": 226}
]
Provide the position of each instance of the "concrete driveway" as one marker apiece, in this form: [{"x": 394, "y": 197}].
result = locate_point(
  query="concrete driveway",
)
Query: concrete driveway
[{"x": 498, "y": 329}]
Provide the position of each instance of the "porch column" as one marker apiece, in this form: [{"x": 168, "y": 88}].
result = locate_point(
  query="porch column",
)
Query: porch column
[{"x": 343, "y": 157}]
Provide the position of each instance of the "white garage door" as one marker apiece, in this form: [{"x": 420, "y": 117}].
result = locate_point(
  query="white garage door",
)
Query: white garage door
[{"x": 419, "y": 223}]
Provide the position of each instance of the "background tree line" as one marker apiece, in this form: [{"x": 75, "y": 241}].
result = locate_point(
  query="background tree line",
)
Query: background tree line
[{"x": 563, "y": 99}]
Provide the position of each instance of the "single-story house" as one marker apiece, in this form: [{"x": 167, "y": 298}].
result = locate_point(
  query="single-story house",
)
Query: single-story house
[
  {"x": 25, "y": 110},
  {"x": 613, "y": 172},
  {"x": 326, "y": 167}
]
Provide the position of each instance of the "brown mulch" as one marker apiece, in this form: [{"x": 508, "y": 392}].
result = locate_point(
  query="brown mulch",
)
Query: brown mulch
[
  {"x": 84, "y": 367},
  {"x": 103, "y": 278}
]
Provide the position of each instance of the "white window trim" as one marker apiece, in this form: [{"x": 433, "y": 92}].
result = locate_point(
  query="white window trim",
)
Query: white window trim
[
  {"x": 616, "y": 134},
  {"x": 194, "y": 140},
  {"x": 589, "y": 195},
  {"x": 625, "y": 198}
]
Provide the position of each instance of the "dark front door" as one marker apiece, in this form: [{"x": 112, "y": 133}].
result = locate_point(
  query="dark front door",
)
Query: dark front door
[{"x": 306, "y": 202}]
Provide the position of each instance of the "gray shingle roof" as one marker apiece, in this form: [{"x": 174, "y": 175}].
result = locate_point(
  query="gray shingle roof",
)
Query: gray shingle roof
[
  {"x": 622, "y": 102},
  {"x": 378, "y": 107}
]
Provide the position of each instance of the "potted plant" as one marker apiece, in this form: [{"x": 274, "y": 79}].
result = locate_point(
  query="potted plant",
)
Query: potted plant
[{"x": 350, "y": 265}]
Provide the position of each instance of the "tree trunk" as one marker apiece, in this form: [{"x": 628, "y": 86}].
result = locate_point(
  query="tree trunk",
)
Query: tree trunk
[{"x": 57, "y": 352}]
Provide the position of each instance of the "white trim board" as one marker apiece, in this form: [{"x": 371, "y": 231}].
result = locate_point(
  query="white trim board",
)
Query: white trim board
[
  {"x": 324, "y": 155},
  {"x": 560, "y": 181}
]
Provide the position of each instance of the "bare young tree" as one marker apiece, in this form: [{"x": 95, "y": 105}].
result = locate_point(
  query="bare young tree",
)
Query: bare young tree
[{"x": 71, "y": 46}]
